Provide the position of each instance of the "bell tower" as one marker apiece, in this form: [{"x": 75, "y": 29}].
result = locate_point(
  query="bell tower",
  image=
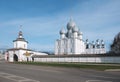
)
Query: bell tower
[{"x": 20, "y": 42}]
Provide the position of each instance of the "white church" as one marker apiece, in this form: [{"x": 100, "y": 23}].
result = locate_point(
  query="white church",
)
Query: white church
[
  {"x": 71, "y": 42},
  {"x": 20, "y": 52}
]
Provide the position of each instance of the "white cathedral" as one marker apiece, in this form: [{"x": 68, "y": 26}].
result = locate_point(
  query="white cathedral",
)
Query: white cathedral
[
  {"x": 20, "y": 52},
  {"x": 72, "y": 43}
]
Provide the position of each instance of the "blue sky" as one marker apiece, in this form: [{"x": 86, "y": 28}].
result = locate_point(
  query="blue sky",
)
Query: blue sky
[{"x": 42, "y": 20}]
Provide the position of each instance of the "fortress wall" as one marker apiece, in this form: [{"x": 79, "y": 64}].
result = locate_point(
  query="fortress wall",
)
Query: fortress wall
[{"x": 71, "y": 58}]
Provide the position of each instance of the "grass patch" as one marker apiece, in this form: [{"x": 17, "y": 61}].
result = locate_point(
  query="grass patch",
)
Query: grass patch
[{"x": 73, "y": 65}]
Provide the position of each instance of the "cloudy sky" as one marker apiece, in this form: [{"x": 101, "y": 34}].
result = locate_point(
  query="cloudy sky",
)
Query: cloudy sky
[{"x": 42, "y": 20}]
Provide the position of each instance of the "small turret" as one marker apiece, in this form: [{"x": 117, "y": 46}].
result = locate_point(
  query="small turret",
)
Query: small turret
[
  {"x": 75, "y": 32},
  {"x": 80, "y": 34},
  {"x": 71, "y": 24},
  {"x": 87, "y": 44},
  {"x": 62, "y": 33},
  {"x": 97, "y": 43},
  {"x": 102, "y": 44},
  {"x": 20, "y": 35},
  {"x": 93, "y": 44}
]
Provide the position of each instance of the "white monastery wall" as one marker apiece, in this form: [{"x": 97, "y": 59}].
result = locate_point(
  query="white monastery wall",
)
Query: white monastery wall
[{"x": 80, "y": 59}]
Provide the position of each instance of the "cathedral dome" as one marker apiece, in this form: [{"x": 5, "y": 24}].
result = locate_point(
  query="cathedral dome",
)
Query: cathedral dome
[
  {"x": 20, "y": 33},
  {"x": 75, "y": 29},
  {"x": 62, "y": 31},
  {"x": 70, "y": 24},
  {"x": 80, "y": 33}
]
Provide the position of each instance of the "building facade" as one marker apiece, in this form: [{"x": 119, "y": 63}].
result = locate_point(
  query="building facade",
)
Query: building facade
[
  {"x": 71, "y": 42},
  {"x": 20, "y": 52}
]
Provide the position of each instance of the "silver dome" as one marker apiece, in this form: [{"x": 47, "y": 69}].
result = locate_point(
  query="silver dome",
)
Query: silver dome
[
  {"x": 71, "y": 24},
  {"x": 75, "y": 29},
  {"x": 62, "y": 31},
  {"x": 80, "y": 33}
]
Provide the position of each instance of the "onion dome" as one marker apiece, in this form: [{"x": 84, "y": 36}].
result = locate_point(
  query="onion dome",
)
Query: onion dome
[
  {"x": 62, "y": 31},
  {"x": 93, "y": 42},
  {"x": 86, "y": 40},
  {"x": 75, "y": 29},
  {"x": 97, "y": 40},
  {"x": 102, "y": 41},
  {"x": 80, "y": 33},
  {"x": 20, "y": 37},
  {"x": 20, "y": 34},
  {"x": 71, "y": 24}
]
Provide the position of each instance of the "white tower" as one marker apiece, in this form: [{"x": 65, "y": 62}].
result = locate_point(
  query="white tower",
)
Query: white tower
[
  {"x": 75, "y": 39},
  {"x": 62, "y": 33},
  {"x": 20, "y": 42},
  {"x": 80, "y": 34},
  {"x": 75, "y": 32}
]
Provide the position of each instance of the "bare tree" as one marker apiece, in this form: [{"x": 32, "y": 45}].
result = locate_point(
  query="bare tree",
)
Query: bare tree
[{"x": 115, "y": 47}]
